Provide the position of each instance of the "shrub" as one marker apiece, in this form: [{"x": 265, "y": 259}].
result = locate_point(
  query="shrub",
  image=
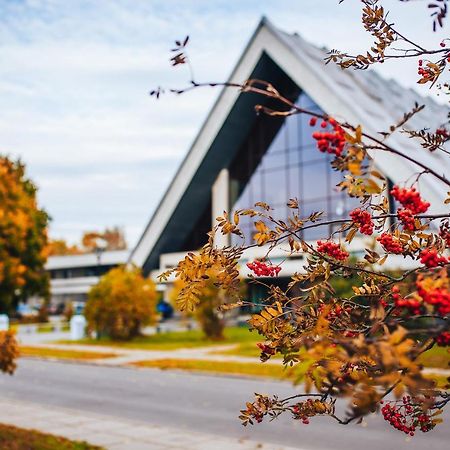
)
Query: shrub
[
  {"x": 121, "y": 303},
  {"x": 9, "y": 351}
]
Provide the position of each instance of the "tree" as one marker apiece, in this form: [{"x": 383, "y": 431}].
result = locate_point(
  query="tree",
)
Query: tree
[
  {"x": 59, "y": 247},
  {"x": 362, "y": 346},
  {"x": 207, "y": 313},
  {"x": 113, "y": 237},
  {"x": 121, "y": 303},
  {"x": 23, "y": 238}
]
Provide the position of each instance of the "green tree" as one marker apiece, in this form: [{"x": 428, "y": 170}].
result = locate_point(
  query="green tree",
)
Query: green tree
[
  {"x": 121, "y": 303},
  {"x": 23, "y": 238}
]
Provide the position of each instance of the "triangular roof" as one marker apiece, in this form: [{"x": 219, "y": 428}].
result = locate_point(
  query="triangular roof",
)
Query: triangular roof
[{"x": 359, "y": 97}]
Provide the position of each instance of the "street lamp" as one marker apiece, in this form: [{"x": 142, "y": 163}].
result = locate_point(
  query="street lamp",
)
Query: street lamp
[{"x": 100, "y": 246}]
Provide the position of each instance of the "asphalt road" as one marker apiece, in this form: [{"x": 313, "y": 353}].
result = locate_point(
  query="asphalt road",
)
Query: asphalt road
[{"x": 197, "y": 403}]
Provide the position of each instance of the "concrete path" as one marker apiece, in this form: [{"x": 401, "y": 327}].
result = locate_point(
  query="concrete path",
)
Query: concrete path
[{"x": 112, "y": 433}]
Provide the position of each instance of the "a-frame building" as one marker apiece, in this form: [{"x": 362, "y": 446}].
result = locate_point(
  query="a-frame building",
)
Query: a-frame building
[{"x": 239, "y": 157}]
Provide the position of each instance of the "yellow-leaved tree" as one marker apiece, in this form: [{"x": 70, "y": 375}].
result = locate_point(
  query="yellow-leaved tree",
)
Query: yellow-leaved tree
[
  {"x": 23, "y": 238},
  {"x": 208, "y": 312},
  {"x": 121, "y": 303}
]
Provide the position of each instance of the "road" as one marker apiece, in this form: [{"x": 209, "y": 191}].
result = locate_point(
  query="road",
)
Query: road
[{"x": 196, "y": 402}]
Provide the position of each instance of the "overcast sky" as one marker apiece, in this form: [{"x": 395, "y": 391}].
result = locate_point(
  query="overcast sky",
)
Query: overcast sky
[{"x": 74, "y": 83}]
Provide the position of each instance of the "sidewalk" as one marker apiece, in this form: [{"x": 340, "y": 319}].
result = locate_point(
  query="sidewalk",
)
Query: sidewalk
[
  {"x": 115, "y": 434},
  {"x": 128, "y": 356}
]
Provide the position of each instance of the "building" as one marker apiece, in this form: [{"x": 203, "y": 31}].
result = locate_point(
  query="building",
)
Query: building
[
  {"x": 239, "y": 157},
  {"x": 72, "y": 276}
]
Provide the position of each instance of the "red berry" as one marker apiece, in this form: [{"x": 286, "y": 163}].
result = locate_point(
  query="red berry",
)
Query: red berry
[{"x": 332, "y": 249}]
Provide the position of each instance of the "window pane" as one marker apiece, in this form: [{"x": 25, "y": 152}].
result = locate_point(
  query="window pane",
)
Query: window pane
[{"x": 293, "y": 167}]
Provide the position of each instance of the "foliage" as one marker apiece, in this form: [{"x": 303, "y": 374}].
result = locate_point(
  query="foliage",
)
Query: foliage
[
  {"x": 363, "y": 345},
  {"x": 110, "y": 239},
  {"x": 59, "y": 247},
  {"x": 113, "y": 237},
  {"x": 23, "y": 238},
  {"x": 13, "y": 438},
  {"x": 208, "y": 315},
  {"x": 8, "y": 352},
  {"x": 121, "y": 303}
]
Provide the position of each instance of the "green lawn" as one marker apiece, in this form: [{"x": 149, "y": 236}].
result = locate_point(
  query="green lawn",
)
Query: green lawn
[
  {"x": 12, "y": 438},
  {"x": 43, "y": 352},
  {"x": 176, "y": 340}
]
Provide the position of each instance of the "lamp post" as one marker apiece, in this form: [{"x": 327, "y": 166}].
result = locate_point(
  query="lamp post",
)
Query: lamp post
[{"x": 100, "y": 246}]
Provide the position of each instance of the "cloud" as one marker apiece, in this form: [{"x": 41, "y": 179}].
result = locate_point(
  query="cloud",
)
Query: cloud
[{"x": 74, "y": 82}]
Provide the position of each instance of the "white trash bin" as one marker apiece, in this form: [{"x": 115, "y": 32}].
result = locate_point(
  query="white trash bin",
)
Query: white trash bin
[
  {"x": 77, "y": 327},
  {"x": 4, "y": 322}
]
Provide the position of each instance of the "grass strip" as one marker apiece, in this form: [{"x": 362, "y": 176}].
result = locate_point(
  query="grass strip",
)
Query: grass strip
[
  {"x": 43, "y": 352},
  {"x": 13, "y": 438},
  {"x": 438, "y": 357},
  {"x": 175, "y": 340},
  {"x": 223, "y": 367}
]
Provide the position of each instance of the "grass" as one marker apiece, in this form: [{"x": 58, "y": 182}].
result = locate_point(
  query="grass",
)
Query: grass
[
  {"x": 438, "y": 357},
  {"x": 12, "y": 438},
  {"x": 442, "y": 382},
  {"x": 230, "y": 368},
  {"x": 248, "y": 349},
  {"x": 175, "y": 340},
  {"x": 43, "y": 352}
]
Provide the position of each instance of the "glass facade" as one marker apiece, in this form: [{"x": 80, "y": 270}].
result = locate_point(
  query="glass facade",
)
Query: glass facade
[
  {"x": 79, "y": 272},
  {"x": 292, "y": 167}
]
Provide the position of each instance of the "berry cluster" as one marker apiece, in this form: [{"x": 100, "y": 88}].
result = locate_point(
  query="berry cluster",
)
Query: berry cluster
[
  {"x": 332, "y": 249},
  {"x": 426, "y": 73},
  {"x": 310, "y": 408},
  {"x": 363, "y": 219},
  {"x": 444, "y": 233},
  {"x": 266, "y": 349},
  {"x": 442, "y": 132},
  {"x": 412, "y": 304},
  {"x": 390, "y": 244},
  {"x": 407, "y": 416},
  {"x": 410, "y": 199},
  {"x": 406, "y": 217},
  {"x": 431, "y": 259},
  {"x": 443, "y": 340},
  {"x": 263, "y": 269},
  {"x": 334, "y": 312},
  {"x": 332, "y": 142},
  {"x": 439, "y": 298}
]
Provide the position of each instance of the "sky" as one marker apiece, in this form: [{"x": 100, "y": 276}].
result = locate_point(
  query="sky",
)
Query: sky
[{"x": 75, "y": 77}]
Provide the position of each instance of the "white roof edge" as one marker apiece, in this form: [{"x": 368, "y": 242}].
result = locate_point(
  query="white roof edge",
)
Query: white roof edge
[{"x": 87, "y": 259}]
